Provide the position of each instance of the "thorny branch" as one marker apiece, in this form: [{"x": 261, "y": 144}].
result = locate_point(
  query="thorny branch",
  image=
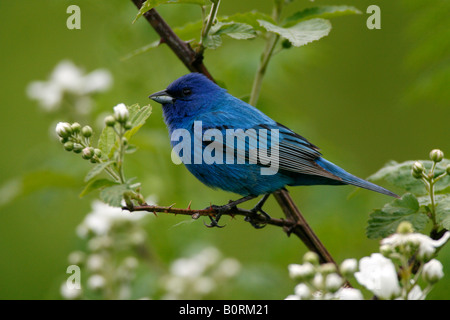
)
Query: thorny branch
[{"x": 295, "y": 222}]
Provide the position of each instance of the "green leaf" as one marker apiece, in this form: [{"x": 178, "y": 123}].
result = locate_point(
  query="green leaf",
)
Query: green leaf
[
  {"x": 96, "y": 170},
  {"x": 189, "y": 31},
  {"x": 235, "y": 30},
  {"x": 302, "y": 33},
  {"x": 325, "y": 12},
  {"x": 150, "y": 4},
  {"x": 250, "y": 18},
  {"x": 94, "y": 185},
  {"x": 113, "y": 195},
  {"x": 383, "y": 222},
  {"x": 399, "y": 175},
  {"x": 442, "y": 208},
  {"x": 107, "y": 141},
  {"x": 138, "y": 116}
]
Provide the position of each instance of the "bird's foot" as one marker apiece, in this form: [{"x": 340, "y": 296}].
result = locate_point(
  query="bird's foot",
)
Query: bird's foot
[
  {"x": 257, "y": 216},
  {"x": 220, "y": 210}
]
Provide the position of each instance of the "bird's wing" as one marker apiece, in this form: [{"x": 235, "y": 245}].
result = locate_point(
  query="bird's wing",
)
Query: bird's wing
[{"x": 296, "y": 155}]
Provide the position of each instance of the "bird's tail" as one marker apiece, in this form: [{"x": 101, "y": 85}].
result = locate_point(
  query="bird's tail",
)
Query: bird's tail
[{"x": 351, "y": 179}]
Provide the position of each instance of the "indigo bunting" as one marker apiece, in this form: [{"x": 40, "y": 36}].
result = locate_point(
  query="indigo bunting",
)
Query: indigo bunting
[{"x": 201, "y": 112}]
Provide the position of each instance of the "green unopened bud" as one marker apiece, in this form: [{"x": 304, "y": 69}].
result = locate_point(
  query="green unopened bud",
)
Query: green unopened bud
[
  {"x": 405, "y": 227},
  {"x": 86, "y": 131},
  {"x": 448, "y": 169},
  {"x": 77, "y": 148},
  {"x": 417, "y": 170},
  {"x": 327, "y": 268},
  {"x": 128, "y": 126},
  {"x": 110, "y": 121},
  {"x": 436, "y": 155},
  {"x": 68, "y": 145},
  {"x": 121, "y": 113},
  {"x": 311, "y": 257},
  {"x": 63, "y": 129},
  {"x": 76, "y": 127},
  {"x": 98, "y": 152},
  {"x": 87, "y": 153}
]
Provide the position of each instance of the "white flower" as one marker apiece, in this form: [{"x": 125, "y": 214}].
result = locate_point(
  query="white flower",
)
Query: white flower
[
  {"x": 292, "y": 297},
  {"x": 95, "y": 262},
  {"x": 48, "y": 94},
  {"x": 121, "y": 112},
  {"x": 96, "y": 282},
  {"x": 302, "y": 291},
  {"x": 378, "y": 275},
  {"x": 349, "y": 294},
  {"x": 349, "y": 266},
  {"x": 227, "y": 268},
  {"x": 432, "y": 271},
  {"x": 97, "y": 81},
  {"x": 103, "y": 217},
  {"x": 69, "y": 292},
  {"x": 301, "y": 271},
  {"x": 333, "y": 282},
  {"x": 68, "y": 78},
  {"x": 426, "y": 246}
]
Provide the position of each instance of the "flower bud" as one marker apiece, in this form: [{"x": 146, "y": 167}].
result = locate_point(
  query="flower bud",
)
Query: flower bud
[
  {"x": 417, "y": 170},
  {"x": 128, "y": 126},
  {"x": 311, "y": 257},
  {"x": 301, "y": 272},
  {"x": 68, "y": 146},
  {"x": 418, "y": 167},
  {"x": 448, "y": 169},
  {"x": 333, "y": 282},
  {"x": 348, "y": 267},
  {"x": 432, "y": 271},
  {"x": 302, "y": 291},
  {"x": 98, "y": 152},
  {"x": 86, "y": 131},
  {"x": 328, "y": 268},
  {"x": 110, "y": 121},
  {"x": 405, "y": 227},
  {"x": 87, "y": 153},
  {"x": 63, "y": 129},
  {"x": 121, "y": 113},
  {"x": 76, "y": 127},
  {"x": 436, "y": 155},
  {"x": 77, "y": 148}
]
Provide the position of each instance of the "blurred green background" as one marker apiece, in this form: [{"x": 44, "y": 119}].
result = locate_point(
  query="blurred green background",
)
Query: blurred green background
[{"x": 363, "y": 96}]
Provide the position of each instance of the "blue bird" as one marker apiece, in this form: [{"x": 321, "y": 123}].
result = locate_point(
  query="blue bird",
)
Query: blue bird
[{"x": 194, "y": 99}]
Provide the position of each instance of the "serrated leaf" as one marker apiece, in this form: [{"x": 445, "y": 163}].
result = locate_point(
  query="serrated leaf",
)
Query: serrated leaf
[
  {"x": 212, "y": 41},
  {"x": 138, "y": 116},
  {"x": 150, "y": 4},
  {"x": 399, "y": 175},
  {"x": 302, "y": 33},
  {"x": 250, "y": 18},
  {"x": 442, "y": 209},
  {"x": 235, "y": 30},
  {"x": 113, "y": 195},
  {"x": 325, "y": 12},
  {"x": 383, "y": 222},
  {"x": 96, "y": 170},
  {"x": 107, "y": 141},
  {"x": 94, "y": 185}
]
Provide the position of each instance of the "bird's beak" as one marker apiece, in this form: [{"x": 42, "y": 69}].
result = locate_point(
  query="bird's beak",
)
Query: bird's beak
[{"x": 162, "y": 97}]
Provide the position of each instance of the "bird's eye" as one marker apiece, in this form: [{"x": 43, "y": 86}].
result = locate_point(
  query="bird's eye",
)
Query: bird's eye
[{"x": 187, "y": 92}]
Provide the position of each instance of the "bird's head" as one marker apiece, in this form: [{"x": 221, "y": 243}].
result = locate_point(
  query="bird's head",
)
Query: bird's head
[{"x": 189, "y": 94}]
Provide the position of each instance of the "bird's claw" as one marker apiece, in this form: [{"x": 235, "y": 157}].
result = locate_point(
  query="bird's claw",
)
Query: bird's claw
[
  {"x": 220, "y": 210},
  {"x": 258, "y": 213}
]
